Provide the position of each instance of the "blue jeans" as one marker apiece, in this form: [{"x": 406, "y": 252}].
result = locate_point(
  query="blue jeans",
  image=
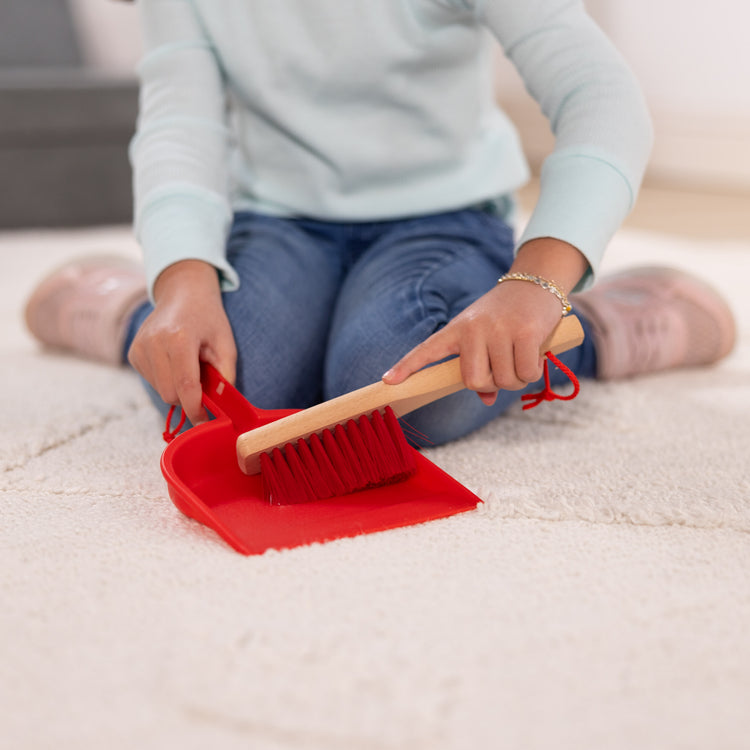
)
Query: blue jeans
[{"x": 327, "y": 307}]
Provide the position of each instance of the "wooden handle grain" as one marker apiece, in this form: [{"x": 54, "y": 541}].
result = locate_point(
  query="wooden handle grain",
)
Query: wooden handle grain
[{"x": 417, "y": 390}]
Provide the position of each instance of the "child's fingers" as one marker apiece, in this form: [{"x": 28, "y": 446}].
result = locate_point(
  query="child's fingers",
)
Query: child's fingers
[
  {"x": 503, "y": 366},
  {"x": 528, "y": 361},
  {"x": 436, "y": 347},
  {"x": 476, "y": 366},
  {"x": 186, "y": 377},
  {"x": 487, "y": 365},
  {"x": 490, "y": 366},
  {"x": 488, "y": 398},
  {"x": 222, "y": 354}
]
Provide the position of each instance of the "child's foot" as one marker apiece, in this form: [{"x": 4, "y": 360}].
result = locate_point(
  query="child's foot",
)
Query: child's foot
[
  {"x": 651, "y": 319},
  {"x": 84, "y": 307}
]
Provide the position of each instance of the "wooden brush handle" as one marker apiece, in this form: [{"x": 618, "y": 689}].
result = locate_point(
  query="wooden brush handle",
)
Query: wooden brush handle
[{"x": 417, "y": 390}]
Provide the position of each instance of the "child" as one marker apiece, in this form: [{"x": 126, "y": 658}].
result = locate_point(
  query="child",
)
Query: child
[{"x": 324, "y": 191}]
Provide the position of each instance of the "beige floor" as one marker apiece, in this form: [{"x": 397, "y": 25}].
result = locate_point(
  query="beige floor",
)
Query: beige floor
[
  {"x": 597, "y": 599},
  {"x": 688, "y": 213}
]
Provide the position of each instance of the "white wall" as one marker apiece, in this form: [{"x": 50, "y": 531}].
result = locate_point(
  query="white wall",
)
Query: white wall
[
  {"x": 693, "y": 58},
  {"x": 693, "y": 61},
  {"x": 108, "y": 33}
]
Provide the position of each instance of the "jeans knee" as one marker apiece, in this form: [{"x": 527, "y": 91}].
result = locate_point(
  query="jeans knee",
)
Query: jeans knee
[
  {"x": 453, "y": 417},
  {"x": 349, "y": 368}
]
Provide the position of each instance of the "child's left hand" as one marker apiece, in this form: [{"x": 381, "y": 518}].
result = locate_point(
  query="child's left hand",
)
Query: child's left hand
[{"x": 499, "y": 337}]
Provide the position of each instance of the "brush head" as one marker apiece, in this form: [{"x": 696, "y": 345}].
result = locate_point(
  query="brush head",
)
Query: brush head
[{"x": 366, "y": 452}]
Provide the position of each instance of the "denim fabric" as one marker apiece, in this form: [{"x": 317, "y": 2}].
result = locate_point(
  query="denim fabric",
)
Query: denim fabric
[{"x": 326, "y": 307}]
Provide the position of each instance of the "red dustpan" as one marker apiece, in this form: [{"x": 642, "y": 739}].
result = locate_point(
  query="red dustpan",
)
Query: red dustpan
[{"x": 206, "y": 483}]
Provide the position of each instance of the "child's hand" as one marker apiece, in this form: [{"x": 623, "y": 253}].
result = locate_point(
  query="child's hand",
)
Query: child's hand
[
  {"x": 499, "y": 337},
  {"x": 188, "y": 325}
]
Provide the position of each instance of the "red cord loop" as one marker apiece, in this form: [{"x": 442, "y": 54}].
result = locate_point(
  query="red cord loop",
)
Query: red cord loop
[
  {"x": 169, "y": 434},
  {"x": 547, "y": 394}
]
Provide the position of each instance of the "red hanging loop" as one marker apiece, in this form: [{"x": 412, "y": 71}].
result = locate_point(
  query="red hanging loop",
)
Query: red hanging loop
[
  {"x": 169, "y": 434},
  {"x": 547, "y": 394}
]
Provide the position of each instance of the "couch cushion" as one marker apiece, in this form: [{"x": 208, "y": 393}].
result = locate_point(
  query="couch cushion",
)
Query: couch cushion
[{"x": 64, "y": 136}]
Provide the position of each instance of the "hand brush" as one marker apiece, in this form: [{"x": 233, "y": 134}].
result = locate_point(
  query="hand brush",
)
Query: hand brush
[{"x": 354, "y": 441}]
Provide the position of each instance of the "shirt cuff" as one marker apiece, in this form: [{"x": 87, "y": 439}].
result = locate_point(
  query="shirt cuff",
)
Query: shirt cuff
[
  {"x": 185, "y": 227},
  {"x": 583, "y": 200}
]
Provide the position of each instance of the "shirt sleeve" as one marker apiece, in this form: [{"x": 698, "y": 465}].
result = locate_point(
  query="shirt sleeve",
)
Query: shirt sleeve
[
  {"x": 179, "y": 150},
  {"x": 602, "y": 127}
]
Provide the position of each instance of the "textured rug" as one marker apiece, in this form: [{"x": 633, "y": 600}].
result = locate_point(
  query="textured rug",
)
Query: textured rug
[{"x": 600, "y": 597}]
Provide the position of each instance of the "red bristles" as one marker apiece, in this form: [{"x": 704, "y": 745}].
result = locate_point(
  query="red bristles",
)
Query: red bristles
[{"x": 366, "y": 453}]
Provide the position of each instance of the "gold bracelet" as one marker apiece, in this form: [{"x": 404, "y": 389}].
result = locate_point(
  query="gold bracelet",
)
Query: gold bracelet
[{"x": 547, "y": 284}]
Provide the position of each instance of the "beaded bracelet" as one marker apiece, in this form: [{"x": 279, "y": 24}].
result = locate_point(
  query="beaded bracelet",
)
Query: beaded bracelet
[{"x": 547, "y": 284}]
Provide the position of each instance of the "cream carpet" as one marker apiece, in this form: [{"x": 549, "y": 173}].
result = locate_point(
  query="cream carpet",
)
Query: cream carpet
[{"x": 600, "y": 598}]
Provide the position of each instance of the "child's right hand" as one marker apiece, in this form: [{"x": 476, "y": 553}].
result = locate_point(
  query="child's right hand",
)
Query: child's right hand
[{"x": 187, "y": 326}]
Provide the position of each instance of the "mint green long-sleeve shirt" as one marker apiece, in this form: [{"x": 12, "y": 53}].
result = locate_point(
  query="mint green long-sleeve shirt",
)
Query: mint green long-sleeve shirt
[{"x": 356, "y": 110}]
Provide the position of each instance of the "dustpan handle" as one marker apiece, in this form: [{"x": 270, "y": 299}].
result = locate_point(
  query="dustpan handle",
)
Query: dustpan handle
[
  {"x": 222, "y": 400},
  {"x": 219, "y": 396}
]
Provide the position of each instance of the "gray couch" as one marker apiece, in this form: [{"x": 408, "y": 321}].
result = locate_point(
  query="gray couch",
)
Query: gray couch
[{"x": 64, "y": 128}]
